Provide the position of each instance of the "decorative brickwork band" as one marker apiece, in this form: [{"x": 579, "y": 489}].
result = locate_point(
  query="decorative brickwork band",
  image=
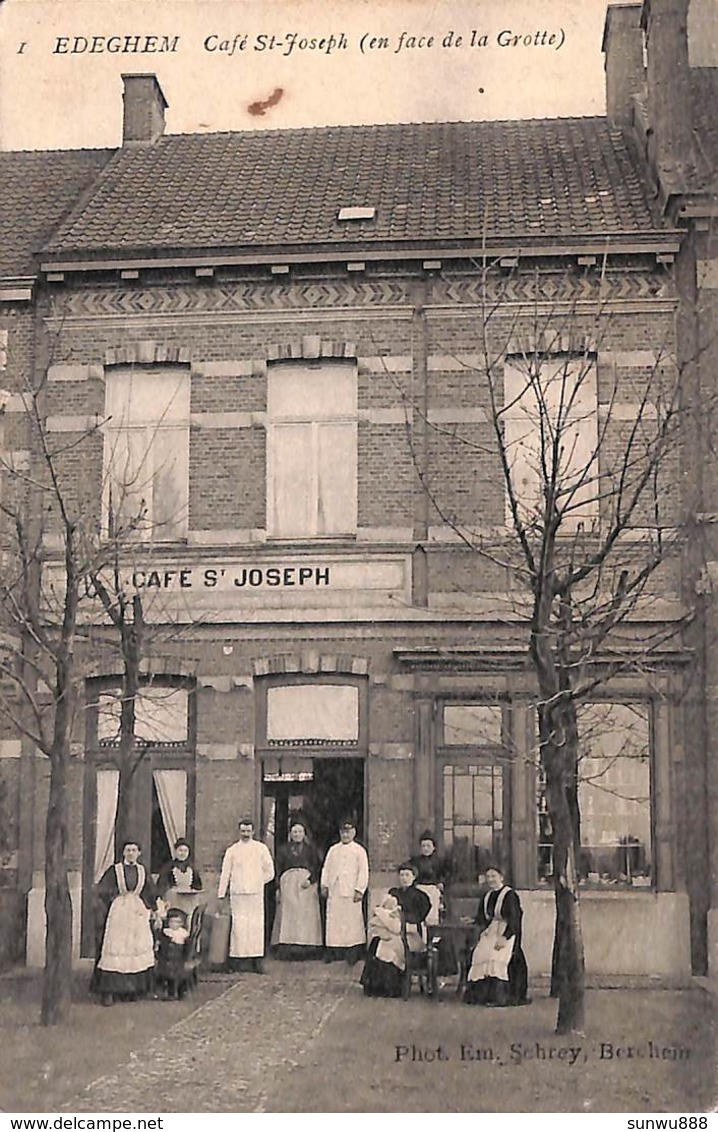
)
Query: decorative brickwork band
[
  {"x": 148, "y": 353},
  {"x": 311, "y": 346},
  {"x": 550, "y": 341},
  {"x": 157, "y": 667},
  {"x": 310, "y": 662}
]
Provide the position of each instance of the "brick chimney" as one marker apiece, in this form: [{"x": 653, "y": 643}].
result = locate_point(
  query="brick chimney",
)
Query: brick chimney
[
  {"x": 669, "y": 90},
  {"x": 623, "y": 49},
  {"x": 143, "y": 117}
]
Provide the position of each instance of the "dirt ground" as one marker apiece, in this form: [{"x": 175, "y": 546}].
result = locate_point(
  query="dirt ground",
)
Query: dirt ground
[
  {"x": 644, "y": 1051},
  {"x": 282, "y": 1042},
  {"x": 41, "y": 1066}
]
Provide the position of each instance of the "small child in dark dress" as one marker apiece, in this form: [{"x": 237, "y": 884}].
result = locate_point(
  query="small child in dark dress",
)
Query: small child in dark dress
[{"x": 171, "y": 952}]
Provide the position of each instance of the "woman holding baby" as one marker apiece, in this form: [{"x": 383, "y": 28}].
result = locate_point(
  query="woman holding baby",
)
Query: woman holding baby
[{"x": 404, "y": 906}]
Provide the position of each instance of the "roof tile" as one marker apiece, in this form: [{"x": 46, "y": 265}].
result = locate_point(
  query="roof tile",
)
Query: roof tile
[{"x": 456, "y": 180}]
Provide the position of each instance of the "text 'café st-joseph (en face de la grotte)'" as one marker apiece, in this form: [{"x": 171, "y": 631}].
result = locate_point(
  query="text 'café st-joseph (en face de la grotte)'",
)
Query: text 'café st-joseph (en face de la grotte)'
[{"x": 288, "y": 336}]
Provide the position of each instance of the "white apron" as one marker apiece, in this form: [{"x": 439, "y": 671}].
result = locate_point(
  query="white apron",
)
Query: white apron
[
  {"x": 298, "y": 921},
  {"x": 127, "y": 945},
  {"x": 246, "y": 940},
  {"x": 345, "y": 921},
  {"x": 345, "y": 871},
  {"x": 488, "y": 962},
  {"x": 434, "y": 893}
]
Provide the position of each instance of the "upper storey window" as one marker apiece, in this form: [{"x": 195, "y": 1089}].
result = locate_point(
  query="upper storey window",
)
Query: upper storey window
[
  {"x": 146, "y": 485},
  {"x": 312, "y": 450},
  {"x": 551, "y": 436}
]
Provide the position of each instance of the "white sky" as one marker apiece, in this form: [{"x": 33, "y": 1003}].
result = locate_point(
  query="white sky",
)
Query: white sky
[{"x": 50, "y": 99}]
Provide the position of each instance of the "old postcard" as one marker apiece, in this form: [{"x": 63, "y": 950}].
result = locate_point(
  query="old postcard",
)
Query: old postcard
[{"x": 357, "y": 506}]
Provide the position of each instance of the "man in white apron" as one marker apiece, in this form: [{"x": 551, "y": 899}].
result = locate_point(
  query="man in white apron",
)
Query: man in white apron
[
  {"x": 247, "y": 867},
  {"x": 344, "y": 880}
]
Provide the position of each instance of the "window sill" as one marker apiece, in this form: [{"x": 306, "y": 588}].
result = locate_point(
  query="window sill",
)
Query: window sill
[{"x": 297, "y": 542}]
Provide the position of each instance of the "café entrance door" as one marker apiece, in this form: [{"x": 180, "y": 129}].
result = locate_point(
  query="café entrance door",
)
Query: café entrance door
[{"x": 323, "y": 791}]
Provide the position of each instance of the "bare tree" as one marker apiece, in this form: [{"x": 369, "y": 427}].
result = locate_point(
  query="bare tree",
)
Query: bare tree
[
  {"x": 40, "y": 609},
  {"x": 589, "y": 461},
  {"x": 62, "y": 555}
]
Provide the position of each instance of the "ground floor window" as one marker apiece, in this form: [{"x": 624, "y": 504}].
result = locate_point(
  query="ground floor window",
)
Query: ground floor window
[
  {"x": 474, "y": 805},
  {"x": 614, "y": 796},
  {"x": 163, "y": 777}
]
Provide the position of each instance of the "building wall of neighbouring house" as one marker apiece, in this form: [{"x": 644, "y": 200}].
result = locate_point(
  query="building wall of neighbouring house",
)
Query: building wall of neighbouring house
[
  {"x": 675, "y": 134},
  {"x": 416, "y": 341}
]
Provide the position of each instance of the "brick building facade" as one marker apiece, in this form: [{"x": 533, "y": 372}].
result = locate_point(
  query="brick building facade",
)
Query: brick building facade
[{"x": 279, "y": 341}]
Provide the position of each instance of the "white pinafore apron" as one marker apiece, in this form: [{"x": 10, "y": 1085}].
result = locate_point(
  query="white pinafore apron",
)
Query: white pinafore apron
[
  {"x": 127, "y": 946},
  {"x": 298, "y": 921},
  {"x": 488, "y": 961}
]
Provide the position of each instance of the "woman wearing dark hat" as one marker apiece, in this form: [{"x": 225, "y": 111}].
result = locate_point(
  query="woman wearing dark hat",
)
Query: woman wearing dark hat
[
  {"x": 179, "y": 881},
  {"x": 297, "y": 925}
]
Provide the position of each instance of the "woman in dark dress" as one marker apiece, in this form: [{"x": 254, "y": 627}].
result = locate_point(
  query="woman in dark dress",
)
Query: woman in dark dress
[
  {"x": 431, "y": 867},
  {"x": 433, "y": 878},
  {"x": 498, "y": 975},
  {"x": 385, "y": 963},
  {"x": 297, "y": 925},
  {"x": 126, "y": 957},
  {"x": 179, "y": 882}
]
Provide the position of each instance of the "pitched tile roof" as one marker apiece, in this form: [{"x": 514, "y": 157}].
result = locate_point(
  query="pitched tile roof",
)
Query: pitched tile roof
[
  {"x": 527, "y": 180},
  {"x": 38, "y": 190}
]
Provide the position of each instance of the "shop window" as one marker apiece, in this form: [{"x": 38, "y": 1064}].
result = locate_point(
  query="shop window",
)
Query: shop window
[
  {"x": 168, "y": 816},
  {"x": 313, "y": 714},
  {"x": 312, "y": 450},
  {"x": 472, "y": 725},
  {"x": 146, "y": 486},
  {"x": 614, "y": 798},
  {"x": 473, "y": 818},
  {"x": 473, "y": 789},
  {"x": 161, "y": 716},
  {"x": 550, "y": 420}
]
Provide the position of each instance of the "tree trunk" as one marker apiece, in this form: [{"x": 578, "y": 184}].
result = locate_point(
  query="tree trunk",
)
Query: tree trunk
[
  {"x": 127, "y": 823},
  {"x": 131, "y": 641},
  {"x": 571, "y": 963},
  {"x": 56, "y": 990},
  {"x": 568, "y": 964}
]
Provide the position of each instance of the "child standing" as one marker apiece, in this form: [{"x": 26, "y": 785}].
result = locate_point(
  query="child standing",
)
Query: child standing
[{"x": 171, "y": 951}]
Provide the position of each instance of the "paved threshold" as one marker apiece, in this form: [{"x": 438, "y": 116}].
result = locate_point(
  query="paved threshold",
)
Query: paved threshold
[{"x": 223, "y": 1057}]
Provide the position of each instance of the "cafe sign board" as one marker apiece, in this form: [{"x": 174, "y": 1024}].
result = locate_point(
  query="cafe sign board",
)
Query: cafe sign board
[{"x": 218, "y": 588}]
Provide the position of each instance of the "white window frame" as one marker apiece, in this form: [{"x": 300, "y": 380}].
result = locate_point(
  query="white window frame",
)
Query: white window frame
[
  {"x": 282, "y": 421},
  {"x": 579, "y": 412},
  {"x": 169, "y": 423}
]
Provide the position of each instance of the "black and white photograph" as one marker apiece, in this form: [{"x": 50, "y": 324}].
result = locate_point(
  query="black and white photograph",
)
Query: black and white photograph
[{"x": 358, "y": 559}]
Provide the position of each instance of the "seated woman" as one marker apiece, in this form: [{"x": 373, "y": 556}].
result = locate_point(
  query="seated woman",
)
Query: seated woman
[
  {"x": 125, "y": 965},
  {"x": 498, "y": 975},
  {"x": 386, "y": 961},
  {"x": 297, "y": 923},
  {"x": 179, "y": 882}
]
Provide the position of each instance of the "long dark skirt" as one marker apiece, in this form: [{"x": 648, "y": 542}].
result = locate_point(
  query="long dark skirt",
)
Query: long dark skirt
[
  {"x": 379, "y": 979},
  {"x": 136, "y": 984},
  {"x": 296, "y": 952},
  {"x": 496, "y": 992}
]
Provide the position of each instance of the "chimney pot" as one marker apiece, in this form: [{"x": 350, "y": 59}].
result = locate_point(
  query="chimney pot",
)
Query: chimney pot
[{"x": 144, "y": 109}]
